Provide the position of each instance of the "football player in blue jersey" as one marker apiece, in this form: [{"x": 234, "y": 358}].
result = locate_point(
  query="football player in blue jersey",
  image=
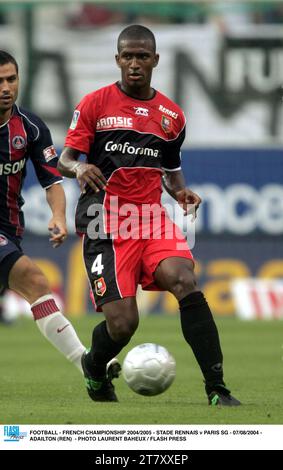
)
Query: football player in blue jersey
[{"x": 23, "y": 136}]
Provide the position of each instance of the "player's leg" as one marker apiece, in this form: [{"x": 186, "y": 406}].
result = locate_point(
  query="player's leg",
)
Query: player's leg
[
  {"x": 176, "y": 275},
  {"x": 27, "y": 280},
  {"x": 111, "y": 267},
  {"x": 108, "y": 339},
  {"x": 110, "y": 336},
  {"x": 168, "y": 264}
]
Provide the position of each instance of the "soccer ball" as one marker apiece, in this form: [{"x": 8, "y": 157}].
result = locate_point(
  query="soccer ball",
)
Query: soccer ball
[{"x": 149, "y": 369}]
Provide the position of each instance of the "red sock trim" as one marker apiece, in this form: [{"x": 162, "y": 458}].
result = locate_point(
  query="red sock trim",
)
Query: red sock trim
[{"x": 44, "y": 309}]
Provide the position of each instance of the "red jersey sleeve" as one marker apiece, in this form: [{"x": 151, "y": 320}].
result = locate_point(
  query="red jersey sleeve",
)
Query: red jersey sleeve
[{"x": 82, "y": 129}]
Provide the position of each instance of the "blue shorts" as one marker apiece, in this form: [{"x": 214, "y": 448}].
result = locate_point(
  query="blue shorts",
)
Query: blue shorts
[{"x": 10, "y": 252}]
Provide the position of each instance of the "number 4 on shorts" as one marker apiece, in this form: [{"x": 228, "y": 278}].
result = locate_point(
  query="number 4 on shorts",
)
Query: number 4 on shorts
[{"x": 97, "y": 266}]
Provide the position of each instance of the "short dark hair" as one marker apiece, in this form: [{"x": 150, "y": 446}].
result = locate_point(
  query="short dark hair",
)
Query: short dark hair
[
  {"x": 6, "y": 58},
  {"x": 136, "y": 32}
]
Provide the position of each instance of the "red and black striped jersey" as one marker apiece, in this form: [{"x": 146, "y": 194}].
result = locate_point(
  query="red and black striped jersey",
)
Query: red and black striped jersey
[
  {"x": 130, "y": 140},
  {"x": 24, "y": 136}
]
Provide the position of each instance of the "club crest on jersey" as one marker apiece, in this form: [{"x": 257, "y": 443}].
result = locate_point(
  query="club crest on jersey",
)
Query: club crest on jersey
[
  {"x": 49, "y": 153},
  {"x": 3, "y": 240},
  {"x": 141, "y": 111},
  {"x": 75, "y": 119},
  {"x": 100, "y": 286},
  {"x": 166, "y": 123},
  {"x": 18, "y": 142}
]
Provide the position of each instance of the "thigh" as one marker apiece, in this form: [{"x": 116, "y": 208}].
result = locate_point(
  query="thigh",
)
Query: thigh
[
  {"x": 170, "y": 244},
  {"x": 113, "y": 268}
]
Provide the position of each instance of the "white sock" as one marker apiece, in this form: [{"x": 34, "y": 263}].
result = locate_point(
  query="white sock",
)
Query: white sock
[{"x": 57, "y": 329}]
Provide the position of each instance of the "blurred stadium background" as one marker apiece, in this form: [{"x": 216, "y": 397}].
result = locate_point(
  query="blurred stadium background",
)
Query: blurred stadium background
[{"x": 223, "y": 63}]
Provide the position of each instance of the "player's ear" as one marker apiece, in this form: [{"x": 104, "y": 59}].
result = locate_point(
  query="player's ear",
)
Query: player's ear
[
  {"x": 156, "y": 60},
  {"x": 117, "y": 58}
]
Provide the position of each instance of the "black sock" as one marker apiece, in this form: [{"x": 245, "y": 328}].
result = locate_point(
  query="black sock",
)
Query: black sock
[
  {"x": 103, "y": 349},
  {"x": 201, "y": 333}
]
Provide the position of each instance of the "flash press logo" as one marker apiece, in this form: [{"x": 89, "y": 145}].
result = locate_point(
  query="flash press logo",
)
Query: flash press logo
[{"x": 13, "y": 434}]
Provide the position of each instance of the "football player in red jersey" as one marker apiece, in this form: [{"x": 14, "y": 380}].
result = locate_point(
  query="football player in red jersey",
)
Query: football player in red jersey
[
  {"x": 23, "y": 135},
  {"x": 132, "y": 135}
]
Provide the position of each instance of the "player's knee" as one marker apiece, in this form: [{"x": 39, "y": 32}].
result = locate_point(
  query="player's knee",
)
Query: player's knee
[
  {"x": 184, "y": 283},
  {"x": 122, "y": 329}
]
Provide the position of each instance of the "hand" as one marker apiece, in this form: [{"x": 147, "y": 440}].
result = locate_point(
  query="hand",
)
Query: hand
[
  {"x": 58, "y": 231},
  {"x": 91, "y": 175},
  {"x": 189, "y": 201}
]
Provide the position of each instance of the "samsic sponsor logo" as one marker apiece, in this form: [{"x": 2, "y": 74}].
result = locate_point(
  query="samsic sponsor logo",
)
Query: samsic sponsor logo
[
  {"x": 127, "y": 148},
  {"x": 114, "y": 121},
  {"x": 12, "y": 168}
]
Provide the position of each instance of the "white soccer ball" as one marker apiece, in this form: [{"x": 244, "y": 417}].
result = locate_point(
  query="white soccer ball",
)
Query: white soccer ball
[{"x": 149, "y": 369}]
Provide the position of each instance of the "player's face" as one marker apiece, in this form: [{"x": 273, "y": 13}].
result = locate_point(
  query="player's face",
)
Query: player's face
[
  {"x": 9, "y": 85},
  {"x": 136, "y": 60}
]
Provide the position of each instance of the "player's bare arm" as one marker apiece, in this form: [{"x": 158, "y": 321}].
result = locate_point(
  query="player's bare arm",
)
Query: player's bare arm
[
  {"x": 86, "y": 174},
  {"x": 55, "y": 197},
  {"x": 174, "y": 183}
]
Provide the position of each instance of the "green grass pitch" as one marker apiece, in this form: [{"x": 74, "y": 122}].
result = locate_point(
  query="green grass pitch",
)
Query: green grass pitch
[{"x": 38, "y": 386}]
